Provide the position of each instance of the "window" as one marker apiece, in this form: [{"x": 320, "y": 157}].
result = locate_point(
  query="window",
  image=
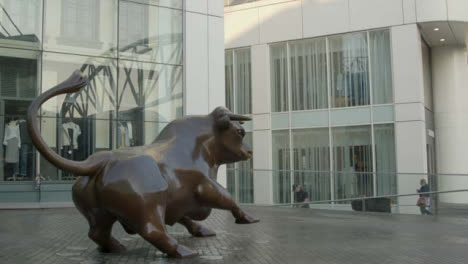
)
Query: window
[
  {"x": 238, "y": 70},
  {"x": 308, "y": 60},
  {"x": 385, "y": 161},
  {"x": 79, "y": 124},
  {"x": 311, "y": 161},
  {"x": 352, "y": 161},
  {"x": 150, "y": 33},
  {"x": 349, "y": 70},
  {"x": 80, "y": 20},
  {"x": 381, "y": 67},
  {"x": 84, "y": 27},
  {"x": 18, "y": 87},
  {"x": 21, "y": 23},
  {"x": 240, "y": 177},
  {"x": 279, "y": 78},
  {"x": 281, "y": 166}
]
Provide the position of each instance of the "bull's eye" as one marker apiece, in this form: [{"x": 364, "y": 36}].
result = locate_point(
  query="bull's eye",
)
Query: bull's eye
[{"x": 241, "y": 132}]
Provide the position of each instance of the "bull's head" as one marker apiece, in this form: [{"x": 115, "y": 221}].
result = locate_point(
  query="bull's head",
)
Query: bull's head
[{"x": 229, "y": 136}]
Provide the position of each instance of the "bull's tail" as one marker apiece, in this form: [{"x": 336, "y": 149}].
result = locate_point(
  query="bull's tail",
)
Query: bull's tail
[{"x": 73, "y": 84}]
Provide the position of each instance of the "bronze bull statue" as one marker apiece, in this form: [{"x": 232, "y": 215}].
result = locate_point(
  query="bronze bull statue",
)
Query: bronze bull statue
[{"x": 173, "y": 180}]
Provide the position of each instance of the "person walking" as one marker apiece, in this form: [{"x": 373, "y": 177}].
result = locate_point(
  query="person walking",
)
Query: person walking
[{"x": 424, "y": 201}]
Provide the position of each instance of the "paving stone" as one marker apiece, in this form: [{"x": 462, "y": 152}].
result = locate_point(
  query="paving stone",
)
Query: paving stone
[{"x": 284, "y": 235}]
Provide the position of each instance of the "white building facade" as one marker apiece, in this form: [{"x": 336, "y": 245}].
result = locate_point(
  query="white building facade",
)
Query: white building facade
[{"x": 349, "y": 98}]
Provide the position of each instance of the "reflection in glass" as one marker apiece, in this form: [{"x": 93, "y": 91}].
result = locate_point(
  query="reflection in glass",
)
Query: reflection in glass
[
  {"x": 352, "y": 158},
  {"x": 308, "y": 74},
  {"x": 149, "y": 92},
  {"x": 165, "y": 3},
  {"x": 150, "y": 33},
  {"x": 21, "y": 23},
  {"x": 245, "y": 176},
  {"x": 81, "y": 26},
  {"x": 18, "y": 86},
  {"x": 381, "y": 65},
  {"x": 279, "y": 78},
  {"x": 281, "y": 167},
  {"x": 311, "y": 156},
  {"x": 243, "y": 81},
  {"x": 135, "y": 132},
  {"x": 385, "y": 161},
  {"x": 75, "y": 139},
  {"x": 349, "y": 70},
  {"x": 97, "y": 100}
]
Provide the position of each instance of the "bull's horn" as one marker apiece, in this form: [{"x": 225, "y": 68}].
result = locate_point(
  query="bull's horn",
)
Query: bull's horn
[{"x": 234, "y": 117}]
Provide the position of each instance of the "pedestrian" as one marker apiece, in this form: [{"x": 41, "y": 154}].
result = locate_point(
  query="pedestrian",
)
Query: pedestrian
[{"x": 424, "y": 200}]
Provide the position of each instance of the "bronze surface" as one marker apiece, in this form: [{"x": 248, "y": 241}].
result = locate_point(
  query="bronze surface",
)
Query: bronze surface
[{"x": 173, "y": 180}]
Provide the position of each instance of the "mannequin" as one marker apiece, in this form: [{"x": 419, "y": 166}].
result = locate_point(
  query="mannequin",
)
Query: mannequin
[
  {"x": 70, "y": 134},
  {"x": 126, "y": 134},
  {"x": 12, "y": 142},
  {"x": 26, "y": 152}
]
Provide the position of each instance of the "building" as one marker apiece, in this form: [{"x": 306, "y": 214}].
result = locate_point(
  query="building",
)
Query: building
[
  {"x": 349, "y": 98},
  {"x": 148, "y": 61}
]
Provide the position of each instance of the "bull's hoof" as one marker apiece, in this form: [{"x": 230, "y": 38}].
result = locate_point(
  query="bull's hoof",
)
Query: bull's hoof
[
  {"x": 247, "y": 219},
  {"x": 203, "y": 232},
  {"x": 114, "y": 247},
  {"x": 183, "y": 252}
]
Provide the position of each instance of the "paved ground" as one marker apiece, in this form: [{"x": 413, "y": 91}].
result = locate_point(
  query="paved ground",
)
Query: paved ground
[{"x": 284, "y": 235}]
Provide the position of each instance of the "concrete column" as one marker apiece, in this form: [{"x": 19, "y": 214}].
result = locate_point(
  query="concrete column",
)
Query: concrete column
[
  {"x": 204, "y": 60},
  {"x": 263, "y": 183},
  {"x": 410, "y": 127},
  {"x": 450, "y": 80}
]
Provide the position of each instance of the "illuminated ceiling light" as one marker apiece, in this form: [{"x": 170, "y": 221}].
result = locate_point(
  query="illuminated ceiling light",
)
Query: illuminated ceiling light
[
  {"x": 436, "y": 29},
  {"x": 442, "y": 40}
]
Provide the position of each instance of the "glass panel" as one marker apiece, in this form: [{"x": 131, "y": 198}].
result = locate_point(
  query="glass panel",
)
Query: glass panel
[
  {"x": 383, "y": 113},
  {"x": 385, "y": 162},
  {"x": 97, "y": 100},
  {"x": 135, "y": 132},
  {"x": 279, "y": 78},
  {"x": 75, "y": 139},
  {"x": 149, "y": 92},
  {"x": 352, "y": 161},
  {"x": 281, "y": 167},
  {"x": 308, "y": 74},
  {"x": 245, "y": 176},
  {"x": 231, "y": 179},
  {"x": 311, "y": 156},
  {"x": 353, "y": 116},
  {"x": 229, "y": 72},
  {"x": 381, "y": 66},
  {"x": 21, "y": 23},
  {"x": 18, "y": 86},
  {"x": 309, "y": 119},
  {"x": 279, "y": 121},
  {"x": 243, "y": 81},
  {"x": 349, "y": 70},
  {"x": 166, "y": 3},
  {"x": 81, "y": 26},
  {"x": 150, "y": 33}
]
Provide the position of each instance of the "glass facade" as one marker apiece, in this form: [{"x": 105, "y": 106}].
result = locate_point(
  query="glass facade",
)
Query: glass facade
[
  {"x": 238, "y": 70},
  {"x": 344, "y": 68},
  {"x": 130, "y": 50},
  {"x": 332, "y": 117}
]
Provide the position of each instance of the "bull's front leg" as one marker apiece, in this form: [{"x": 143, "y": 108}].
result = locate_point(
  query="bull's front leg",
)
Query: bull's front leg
[
  {"x": 213, "y": 195},
  {"x": 196, "y": 229}
]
